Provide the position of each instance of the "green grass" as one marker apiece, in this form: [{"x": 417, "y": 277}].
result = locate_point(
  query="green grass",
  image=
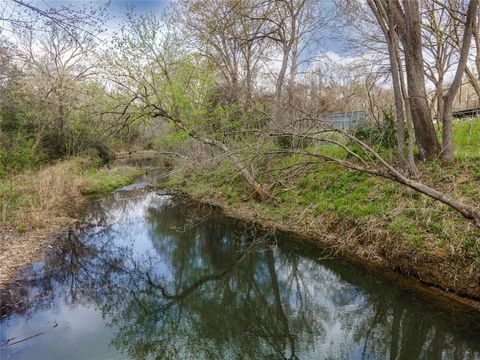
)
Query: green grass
[
  {"x": 101, "y": 181},
  {"x": 343, "y": 193},
  {"x": 466, "y": 138}
]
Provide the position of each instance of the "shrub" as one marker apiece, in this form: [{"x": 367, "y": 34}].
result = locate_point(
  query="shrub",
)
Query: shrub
[
  {"x": 17, "y": 153},
  {"x": 383, "y": 135}
]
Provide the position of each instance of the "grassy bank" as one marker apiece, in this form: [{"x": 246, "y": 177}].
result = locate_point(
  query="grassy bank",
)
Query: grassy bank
[
  {"x": 368, "y": 217},
  {"x": 37, "y": 204}
]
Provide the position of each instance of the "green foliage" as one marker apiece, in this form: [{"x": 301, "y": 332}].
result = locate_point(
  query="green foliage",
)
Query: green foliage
[
  {"x": 170, "y": 140},
  {"x": 17, "y": 153},
  {"x": 285, "y": 142},
  {"x": 383, "y": 135},
  {"x": 104, "y": 153},
  {"x": 29, "y": 137}
]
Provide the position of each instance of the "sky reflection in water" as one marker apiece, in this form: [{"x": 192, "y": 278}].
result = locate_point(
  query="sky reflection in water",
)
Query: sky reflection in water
[{"x": 154, "y": 278}]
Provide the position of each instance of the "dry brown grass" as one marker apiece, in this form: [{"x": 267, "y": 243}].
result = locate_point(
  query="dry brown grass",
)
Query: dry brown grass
[
  {"x": 36, "y": 205},
  {"x": 47, "y": 194}
]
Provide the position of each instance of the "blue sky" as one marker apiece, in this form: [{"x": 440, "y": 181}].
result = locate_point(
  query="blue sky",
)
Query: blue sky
[
  {"x": 118, "y": 8},
  {"x": 141, "y": 6}
]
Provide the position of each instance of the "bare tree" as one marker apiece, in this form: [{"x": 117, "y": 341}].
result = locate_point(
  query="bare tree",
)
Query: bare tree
[
  {"x": 56, "y": 65},
  {"x": 291, "y": 25},
  {"x": 226, "y": 33},
  {"x": 407, "y": 19},
  {"x": 313, "y": 18},
  {"x": 438, "y": 34},
  {"x": 163, "y": 79},
  {"x": 384, "y": 19},
  {"x": 25, "y": 14}
]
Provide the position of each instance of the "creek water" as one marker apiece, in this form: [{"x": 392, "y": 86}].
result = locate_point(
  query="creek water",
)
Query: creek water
[{"x": 152, "y": 277}]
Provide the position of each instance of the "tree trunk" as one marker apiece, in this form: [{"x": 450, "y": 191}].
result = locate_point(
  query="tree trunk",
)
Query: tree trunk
[
  {"x": 248, "y": 82},
  {"x": 385, "y": 19},
  {"x": 474, "y": 81},
  {"x": 447, "y": 151},
  {"x": 293, "y": 72},
  {"x": 447, "y": 127},
  {"x": 385, "y": 170},
  {"x": 397, "y": 91},
  {"x": 412, "y": 168},
  {"x": 440, "y": 102},
  {"x": 467, "y": 211},
  {"x": 420, "y": 110},
  {"x": 277, "y": 107},
  {"x": 476, "y": 34},
  {"x": 386, "y": 15}
]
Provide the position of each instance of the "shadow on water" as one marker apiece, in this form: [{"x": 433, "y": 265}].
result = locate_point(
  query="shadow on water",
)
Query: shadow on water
[{"x": 152, "y": 277}]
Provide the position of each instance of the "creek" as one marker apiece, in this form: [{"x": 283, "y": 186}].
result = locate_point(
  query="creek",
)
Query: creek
[{"x": 150, "y": 275}]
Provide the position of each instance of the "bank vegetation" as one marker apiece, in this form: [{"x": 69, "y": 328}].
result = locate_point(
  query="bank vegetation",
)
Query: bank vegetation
[{"x": 253, "y": 105}]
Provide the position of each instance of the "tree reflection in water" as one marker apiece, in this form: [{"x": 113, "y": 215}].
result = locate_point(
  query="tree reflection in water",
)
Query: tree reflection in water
[{"x": 210, "y": 289}]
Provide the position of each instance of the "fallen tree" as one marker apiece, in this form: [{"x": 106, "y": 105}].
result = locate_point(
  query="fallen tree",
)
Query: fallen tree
[
  {"x": 258, "y": 189},
  {"x": 374, "y": 164}
]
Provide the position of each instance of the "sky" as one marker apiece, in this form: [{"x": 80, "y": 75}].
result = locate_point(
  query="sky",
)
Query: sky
[
  {"x": 329, "y": 50},
  {"x": 118, "y": 8},
  {"x": 116, "y": 5}
]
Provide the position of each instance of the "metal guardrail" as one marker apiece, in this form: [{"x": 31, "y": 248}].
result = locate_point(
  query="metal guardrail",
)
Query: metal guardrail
[{"x": 467, "y": 113}]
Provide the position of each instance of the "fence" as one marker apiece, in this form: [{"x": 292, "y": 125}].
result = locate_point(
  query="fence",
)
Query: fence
[{"x": 346, "y": 120}]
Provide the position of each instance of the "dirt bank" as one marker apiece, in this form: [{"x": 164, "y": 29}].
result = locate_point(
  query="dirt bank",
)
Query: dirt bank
[{"x": 19, "y": 250}]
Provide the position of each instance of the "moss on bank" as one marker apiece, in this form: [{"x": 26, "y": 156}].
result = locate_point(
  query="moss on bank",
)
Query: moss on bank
[
  {"x": 105, "y": 180},
  {"x": 37, "y": 204}
]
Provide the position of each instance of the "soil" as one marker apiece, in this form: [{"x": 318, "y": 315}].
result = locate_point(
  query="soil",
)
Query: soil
[{"x": 18, "y": 250}]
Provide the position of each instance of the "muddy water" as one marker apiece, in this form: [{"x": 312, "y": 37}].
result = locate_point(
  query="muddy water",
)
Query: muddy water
[{"x": 151, "y": 277}]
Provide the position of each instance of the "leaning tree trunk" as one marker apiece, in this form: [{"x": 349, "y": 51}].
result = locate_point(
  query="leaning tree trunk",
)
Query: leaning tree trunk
[
  {"x": 387, "y": 171},
  {"x": 258, "y": 189}
]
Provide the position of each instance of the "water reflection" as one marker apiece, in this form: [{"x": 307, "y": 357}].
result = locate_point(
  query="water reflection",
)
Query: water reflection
[{"x": 153, "y": 278}]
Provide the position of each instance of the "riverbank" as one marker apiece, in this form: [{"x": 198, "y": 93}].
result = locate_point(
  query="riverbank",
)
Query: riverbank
[
  {"x": 355, "y": 215},
  {"x": 37, "y": 205}
]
